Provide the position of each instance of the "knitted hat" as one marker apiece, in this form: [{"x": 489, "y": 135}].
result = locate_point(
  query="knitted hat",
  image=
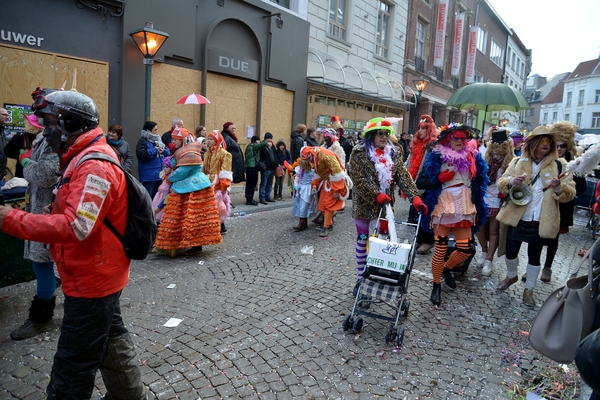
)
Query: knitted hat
[
  {"x": 167, "y": 161},
  {"x": 177, "y": 134},
  {"x": 268, "y": 135},
  {"x": 226, "y": 125},
  {"x": 217, "y": 137},
  {"x": 189, "y": 155},
  {"x": 377, "y": 124}
]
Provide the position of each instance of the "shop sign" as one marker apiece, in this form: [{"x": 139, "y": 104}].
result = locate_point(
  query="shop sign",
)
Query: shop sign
[
  {"x": 232, "y": 64},
  {"x": 21, "y": 38}
]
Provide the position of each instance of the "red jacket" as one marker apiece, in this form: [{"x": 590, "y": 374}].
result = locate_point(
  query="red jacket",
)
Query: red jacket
[
  {"x": 596, "y": 206},
  {"x": 90, "y": 259}
]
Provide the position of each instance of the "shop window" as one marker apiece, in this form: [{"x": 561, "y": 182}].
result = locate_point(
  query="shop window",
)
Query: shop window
[
  {"x": 331, "y": 101},
  {"x": 368, "y": 107},
  {"x": 320, "y": 99},
  {"x": 360, "y": 106},
  {"x": 350, "y": 104},
  {"x": 341, "y": 103}
]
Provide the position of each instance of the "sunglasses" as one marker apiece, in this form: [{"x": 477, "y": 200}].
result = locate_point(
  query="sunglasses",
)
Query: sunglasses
[
  {"x": 561, "y": 146},
  {"x": 545, "y": 141},
  {"x": 452, "y": 137},
  {"x": 382, "y": 134}
]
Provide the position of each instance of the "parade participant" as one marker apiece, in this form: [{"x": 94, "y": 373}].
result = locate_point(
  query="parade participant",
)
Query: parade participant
[
  {"x": 303, "y": 199},
  {"x": 90, "y": 258},
  {"x": 518, "y": 141},
  {"x": 158, "y": 203},
  {"x": 455, "y": 175},
  {"x": 191, "y": 218},
  {"x": 41, "y": 169},
  {"x": 217, "y": 166},
  {"x": 539, "y": 220},
  {"x": 330, "y": 142},
  {"x": 500, "y": 152},
  {"x": 427, "y": 133},
  {"x": 375, "y": 168},
  {"x": 331, "y": 183}
]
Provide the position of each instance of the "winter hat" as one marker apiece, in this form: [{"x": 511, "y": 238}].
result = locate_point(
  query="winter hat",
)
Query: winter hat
[
  {"x": 226, "y": 125},
  {"x": 167, "y": 161},
  {"x": 177, "y": 134},
  {"x": 565, "y": 132},
  {"x": 268, "y": 135},
  {"x": 377, "y": 124},
  {"x": 217, "y": 137}
]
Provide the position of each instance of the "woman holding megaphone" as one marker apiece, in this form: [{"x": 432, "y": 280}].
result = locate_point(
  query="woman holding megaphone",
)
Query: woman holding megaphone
[{"x": 540, "y": 168}]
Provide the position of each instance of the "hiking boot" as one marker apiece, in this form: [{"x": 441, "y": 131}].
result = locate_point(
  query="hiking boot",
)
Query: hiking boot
[
  {"x": 528, "y": 298},
  {"x": 30, "y": 329},
  {"x": 546, "y": 275},
  {"x": 487, "y": 268},
  {"x": 506, "y": 282},
  {"x": 425, "y": 248}
]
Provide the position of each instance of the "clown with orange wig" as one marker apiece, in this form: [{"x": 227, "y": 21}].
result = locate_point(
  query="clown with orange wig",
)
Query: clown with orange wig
[
  {"x": 332, "y": 183},
  {"x": 456, "y": 176}
]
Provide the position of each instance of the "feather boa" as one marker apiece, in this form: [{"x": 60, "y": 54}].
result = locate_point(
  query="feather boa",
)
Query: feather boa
[
  {"x": 462, "y": 160},
  {"x": 383, "y": 165},
  {"x": 587, "y": 162},
  {"x": 223, "y": 204}
]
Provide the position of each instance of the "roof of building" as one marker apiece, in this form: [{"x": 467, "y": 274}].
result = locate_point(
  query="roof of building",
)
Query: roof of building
[
  {"x": 591, "y": 67},
  {"x": 554, "y": 94}
]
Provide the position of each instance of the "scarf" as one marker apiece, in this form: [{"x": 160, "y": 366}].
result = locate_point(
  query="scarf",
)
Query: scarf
[
  {"x": 151, "y": 137},
  {"x": 231, "y": 134},
  {"x": 417, "y": 152},
  {"x": 383, "y": 165},
  {"x": 114, "y": 142}
]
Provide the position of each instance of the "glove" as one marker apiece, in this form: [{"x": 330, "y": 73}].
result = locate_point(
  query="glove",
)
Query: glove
[
  {"x": 383, "y": 198},
  {"x": 418, "y": 205},
  {"x": 446, "y": 176},
  {"x": 25, "y": 156}
]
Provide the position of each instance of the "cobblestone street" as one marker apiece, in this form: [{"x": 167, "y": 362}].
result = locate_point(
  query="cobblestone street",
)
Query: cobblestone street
[{"x": 260, "y": 319}]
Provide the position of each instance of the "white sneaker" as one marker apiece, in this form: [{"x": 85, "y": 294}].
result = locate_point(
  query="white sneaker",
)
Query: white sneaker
[
  {"x": 482, "y": 258},
  {"x": 487, "y": 268}
]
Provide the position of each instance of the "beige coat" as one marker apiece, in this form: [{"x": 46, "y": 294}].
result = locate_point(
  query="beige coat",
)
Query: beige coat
[{"x": 511, "y": 214}]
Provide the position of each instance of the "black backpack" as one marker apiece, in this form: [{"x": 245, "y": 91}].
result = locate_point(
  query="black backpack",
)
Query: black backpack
[{"x": 141, "y": 228}]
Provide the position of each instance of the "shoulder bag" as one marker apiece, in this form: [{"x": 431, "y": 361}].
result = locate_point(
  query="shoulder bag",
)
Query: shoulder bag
[{"x": 567, "y": 315}]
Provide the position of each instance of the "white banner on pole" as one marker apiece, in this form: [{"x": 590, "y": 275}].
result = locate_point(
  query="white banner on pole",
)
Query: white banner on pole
[
  {"x": 470, "y": 68},
  {"x": 458, "y": 38},
  {"x": 440, "y": 34}
]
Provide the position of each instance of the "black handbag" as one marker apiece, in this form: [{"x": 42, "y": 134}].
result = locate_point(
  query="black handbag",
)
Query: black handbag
[{"x": 260, "y": 166}]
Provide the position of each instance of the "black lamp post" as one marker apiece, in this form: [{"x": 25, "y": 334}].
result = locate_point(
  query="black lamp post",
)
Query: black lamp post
[
  {"x": 420, "y": 85},
  {"x": 149, "y": 41}
]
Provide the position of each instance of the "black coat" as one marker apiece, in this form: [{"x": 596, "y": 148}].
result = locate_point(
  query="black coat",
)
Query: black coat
[
  {"x": 237, "y": 157},
  {"x": 311, "y": 141},
  {"x": 296, "y": 143},
  {"x": 268, "y": 155}
]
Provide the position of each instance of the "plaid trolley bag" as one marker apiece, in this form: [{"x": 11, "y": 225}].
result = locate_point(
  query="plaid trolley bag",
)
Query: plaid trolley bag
[{"x": 385, "y": 281}]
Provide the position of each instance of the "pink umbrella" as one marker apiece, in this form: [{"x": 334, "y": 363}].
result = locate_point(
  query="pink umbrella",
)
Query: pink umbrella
[{"x": 193, "y": 99}]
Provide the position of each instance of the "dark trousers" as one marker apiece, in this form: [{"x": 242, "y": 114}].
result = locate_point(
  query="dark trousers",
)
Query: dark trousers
[
  {"x": 251, "y": 181},
  {"x": 152, "y": 187},
  {"x": 93, "y": 337},
  {"x": 534, "y": 251},
  {"x": 279, "y": 186}
]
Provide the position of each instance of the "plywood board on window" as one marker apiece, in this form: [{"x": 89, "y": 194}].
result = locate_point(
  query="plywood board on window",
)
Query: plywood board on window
[
  {"x": 22, "y": 70},
  {"x": 169, "y": 84}
]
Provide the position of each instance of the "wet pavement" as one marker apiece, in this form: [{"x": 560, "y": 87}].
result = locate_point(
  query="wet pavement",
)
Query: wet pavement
[{"x": 263, "y": 319}]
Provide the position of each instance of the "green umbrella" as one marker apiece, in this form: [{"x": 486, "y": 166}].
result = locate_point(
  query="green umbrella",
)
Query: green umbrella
[{"x": 488, "y": 97}]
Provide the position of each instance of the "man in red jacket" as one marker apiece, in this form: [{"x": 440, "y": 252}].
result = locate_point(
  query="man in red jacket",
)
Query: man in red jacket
[{"x": 90, "y": 258}]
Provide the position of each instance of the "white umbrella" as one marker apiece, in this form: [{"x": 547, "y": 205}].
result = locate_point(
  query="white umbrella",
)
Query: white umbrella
[{"x": 589, "y": 138}]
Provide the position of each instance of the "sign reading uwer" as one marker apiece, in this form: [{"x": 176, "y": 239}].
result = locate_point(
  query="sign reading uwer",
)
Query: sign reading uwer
[
  {"x": 388, "y": 255},
  {"x": 232, "y": 64}
]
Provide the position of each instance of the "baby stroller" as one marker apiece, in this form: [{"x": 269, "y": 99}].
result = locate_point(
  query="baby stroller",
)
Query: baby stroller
[{"x": 385, "y": 281}]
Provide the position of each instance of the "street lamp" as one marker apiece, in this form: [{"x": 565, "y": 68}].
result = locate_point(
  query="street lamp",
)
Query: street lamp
[
  {"x": 420, "y": 84},
  {"x": 149, "y": 41}
]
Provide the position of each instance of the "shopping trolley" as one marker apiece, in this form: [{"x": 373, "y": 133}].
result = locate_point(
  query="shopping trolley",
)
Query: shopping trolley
[{"x": 385, "y": 280}]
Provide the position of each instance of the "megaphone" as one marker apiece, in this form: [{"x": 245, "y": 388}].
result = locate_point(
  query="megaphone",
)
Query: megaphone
[{"x": 521, "y": 194}]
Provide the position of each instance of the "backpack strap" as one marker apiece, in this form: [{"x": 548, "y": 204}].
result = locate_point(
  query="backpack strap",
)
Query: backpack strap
[{"x": 105, "y": 157}]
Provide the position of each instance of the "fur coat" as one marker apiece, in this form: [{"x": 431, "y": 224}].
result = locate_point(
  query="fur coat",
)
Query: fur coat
[
  {"x": 42, "y": 172},
  {"x": 366, "y": 183}
]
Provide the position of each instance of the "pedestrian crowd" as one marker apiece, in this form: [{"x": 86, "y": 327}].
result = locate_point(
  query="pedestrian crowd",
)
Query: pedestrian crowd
[{"x": 508, "y": 191}]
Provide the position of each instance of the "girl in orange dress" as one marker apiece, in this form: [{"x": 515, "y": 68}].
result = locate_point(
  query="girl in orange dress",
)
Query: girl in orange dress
[{"x": 217, "y": 166}]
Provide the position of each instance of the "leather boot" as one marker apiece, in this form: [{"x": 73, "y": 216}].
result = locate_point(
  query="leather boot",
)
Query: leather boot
[
  {"x": 436, "y": 294},
  {"x": 302, "y": 224},
  {"x": 40, "y": 319},
  {"x": 449, "y": 278}
]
